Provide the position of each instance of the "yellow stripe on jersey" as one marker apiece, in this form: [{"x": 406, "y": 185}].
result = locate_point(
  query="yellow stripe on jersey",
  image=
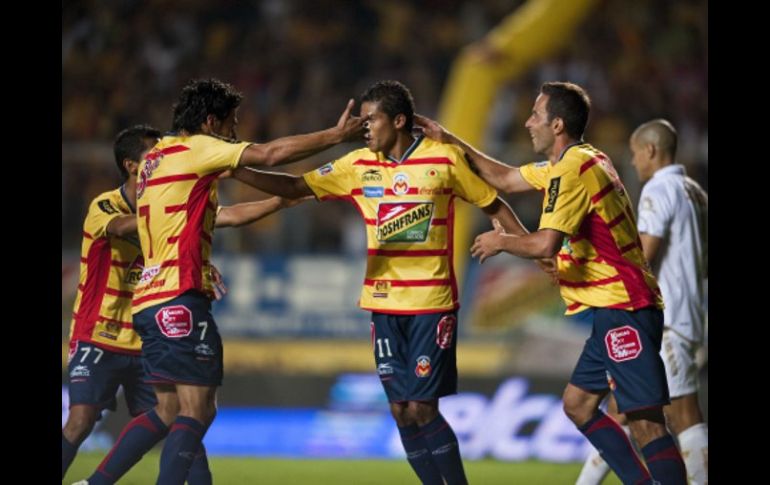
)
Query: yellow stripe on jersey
[
  {"x": 601, "y": 263},
  {"x": 110, "y": 266},
  {"x": 176, "y": 206},
  {"x": 408, "y": 208}
]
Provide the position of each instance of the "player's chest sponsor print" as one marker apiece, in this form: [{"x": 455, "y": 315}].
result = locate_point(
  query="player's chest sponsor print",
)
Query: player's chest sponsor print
[{"x": 404, "y": 221}]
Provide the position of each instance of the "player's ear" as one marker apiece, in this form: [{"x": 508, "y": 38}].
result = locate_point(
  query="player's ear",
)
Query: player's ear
[
  {"x": 399, "y": 121},
  {"x": 557, "y": 125},
  {"x": 131, "y": 166},
  {"x": 211, "y": 124}
]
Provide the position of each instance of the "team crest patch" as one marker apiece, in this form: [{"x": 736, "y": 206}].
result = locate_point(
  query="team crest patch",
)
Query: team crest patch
[
  {"x": 445, "y": 331},
  {"x": 623, "y": 343},
  {"x": 174, "y": 321},
  {"x": 400, "y": 183},
  {"x": 405, "y": 222},
  {"x": 423, "y": 368},
  {"x": 381, "y": 289},
  {"x": 325, "y": 169}
]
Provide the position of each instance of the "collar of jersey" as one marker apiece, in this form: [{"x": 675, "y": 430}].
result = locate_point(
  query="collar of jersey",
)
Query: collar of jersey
[
  {"x": 564, "y": 152},
  {"x": 125, "y": 198},
  {"x": 408, "y": 151},
  {"x": 674, "y": 168}
]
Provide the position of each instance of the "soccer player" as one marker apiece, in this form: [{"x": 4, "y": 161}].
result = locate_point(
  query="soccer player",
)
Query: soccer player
[
  {"x": 176, "y": 209},
  {"x": 673, "y": 228},
  {"x": 105, "y": 351},
  {"x": 405, "y": 187},
  {"x": 603, "y": 277}
]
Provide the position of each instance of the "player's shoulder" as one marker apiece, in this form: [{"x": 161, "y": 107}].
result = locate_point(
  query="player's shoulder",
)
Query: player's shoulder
[
  {"x": 110, "y": 202},
  {"x": 433, "y": 148}
]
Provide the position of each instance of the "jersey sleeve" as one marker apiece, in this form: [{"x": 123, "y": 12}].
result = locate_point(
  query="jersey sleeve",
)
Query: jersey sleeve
[
  {"x": 100, "y": 213},
  {"x": 333, "y": 179},
  {"x": 655, "y": 211},
  {"x": 536, "y": 174},
  {"x": 469, "y": 186},
  {"x": 567, "y": 202},
  {"x": 220, "y": 155}
]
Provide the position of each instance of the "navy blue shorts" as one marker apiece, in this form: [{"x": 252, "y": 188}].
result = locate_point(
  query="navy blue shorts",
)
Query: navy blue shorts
[
  {"x": 416, "y": 355},
  {"x": 623, "y": 355},
  {"x": 180, "y": 341},
  {"x": 96, "y": 373}
]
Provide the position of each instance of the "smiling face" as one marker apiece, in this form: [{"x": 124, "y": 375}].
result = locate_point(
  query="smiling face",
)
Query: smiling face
[
  {"x": 381, "y": 130},
  {"x": 539, "y": 127}
]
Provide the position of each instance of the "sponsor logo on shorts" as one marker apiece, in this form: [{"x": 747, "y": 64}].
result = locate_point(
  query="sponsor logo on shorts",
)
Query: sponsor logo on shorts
[
  {"x": 204, "y": 349},
  {"x": 174, "y": 321},
  {"x": 445, "y": 331},
  {"x": 384, "y": 369},
  {"x": 623, "y": 343},
  {"x": 423, "y": 368},
  {"x": 80, "y": 371}
]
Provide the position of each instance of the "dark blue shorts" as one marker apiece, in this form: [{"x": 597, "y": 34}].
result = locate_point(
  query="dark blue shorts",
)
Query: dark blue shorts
[
  {"x": 623, "y": 355},
  {"x": 96, "y": 373},
  {"x": 416, "y": 355},
  {"x": 180, "y": 341}
]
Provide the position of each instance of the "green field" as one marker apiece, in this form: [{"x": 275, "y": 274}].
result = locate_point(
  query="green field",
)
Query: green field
[{"x": 236, "y": 471}]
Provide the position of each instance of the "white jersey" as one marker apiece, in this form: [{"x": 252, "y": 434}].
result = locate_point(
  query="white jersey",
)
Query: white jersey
[{"x": 674, "y": 208}]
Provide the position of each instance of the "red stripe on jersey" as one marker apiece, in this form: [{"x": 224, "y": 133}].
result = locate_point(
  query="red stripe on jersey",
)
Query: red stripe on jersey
[
  {"x": 190, "y": 250},
  {"x": 628, "y": 247},
  {"x": 588, "y": 164},
  {"x": 172, "y": 178},
  {"x": 588, "y": 284},
  {"x": 397, "y": 283},
  {"x": 170, "y": 209},
  {"x": 408, "y": 252},
  {"x": 573, "y": 260},
  {"x": 118, "y": 293},
  {"x": 93, "y": 290},
  {"x": 169, "y": 150},
  {"x": 617, "y": 220},
  {"x": 122, "y": 323},
  {"x": 87, "y": 236},
  {"x": 606, "y": 190},
  {"x": 156, "y": 296},
  {"x": 601, "y": 238},
  {"x": 574, "y": 306},
  {"x": 83, "y": 260},
  {"x": 172, "y": 239}
]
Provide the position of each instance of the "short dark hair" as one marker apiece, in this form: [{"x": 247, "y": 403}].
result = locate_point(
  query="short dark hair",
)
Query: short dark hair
[
  {"x": 131, "y": 143},
  {"x": 203, "y": 97},
  {"x": 394, "y": 99},
  {"x": 569, "y": 102}
]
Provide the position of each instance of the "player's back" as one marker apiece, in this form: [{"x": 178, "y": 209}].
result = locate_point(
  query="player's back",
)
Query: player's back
[{"x": 176, "y": 205}]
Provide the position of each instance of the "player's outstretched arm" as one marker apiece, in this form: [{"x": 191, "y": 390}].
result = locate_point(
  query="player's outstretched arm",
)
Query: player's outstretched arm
[
  {"x": 281, "y": 184},
  {"x": 292, "y": 148},
  {"x": 544, "y": 243},
  {"x": 504, "y": 178},
  {"x": 248, "y": 212},
  {"x": 122, "y": 225}
]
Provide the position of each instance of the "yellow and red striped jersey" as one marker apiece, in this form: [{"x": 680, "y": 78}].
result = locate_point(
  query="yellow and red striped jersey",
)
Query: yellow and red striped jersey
[
  {"x": 176, "y": 206},
  {"x": 408, "y": 207},
  {"x": 110, "y": 266},
  {"x": 601, "y": 263}
]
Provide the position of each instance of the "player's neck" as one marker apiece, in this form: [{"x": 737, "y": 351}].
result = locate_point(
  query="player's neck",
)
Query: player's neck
[
  {"x": 561, "y": 144},
  {"x": 402, "y": 144},
  {"x": 129, "y": 187}
]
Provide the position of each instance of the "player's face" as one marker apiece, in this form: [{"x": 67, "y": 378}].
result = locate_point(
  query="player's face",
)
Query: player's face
[
  {"x": 381, "y": 132},
  {"x": 641, "y": 160},
  {"x": 227, "y": 126},
  {"x": 539, "y": 127}
]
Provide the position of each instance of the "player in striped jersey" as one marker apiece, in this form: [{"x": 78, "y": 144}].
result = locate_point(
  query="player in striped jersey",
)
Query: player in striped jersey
[
  {"x": 105, "y": 351},
  {"x": 405, "y": 188},
  {"x": 176, "y": 208},
  {"x": 588, "y": 223}
]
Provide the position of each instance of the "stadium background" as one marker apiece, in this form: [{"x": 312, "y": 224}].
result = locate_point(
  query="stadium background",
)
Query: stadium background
[{"x": 299, "y": 379}]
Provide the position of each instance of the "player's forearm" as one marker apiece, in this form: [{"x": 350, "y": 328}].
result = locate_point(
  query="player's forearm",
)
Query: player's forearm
[
  {"x": 501, "y": 211},
  {"x": 495, "y": 173},
  {"x": 291, "y": 148},
  {"x": 122, "y": 225},
  {"x": 248, "y": 212},
  {"x": 535, "y": 245},
  {"x": 282, "y": 184}
]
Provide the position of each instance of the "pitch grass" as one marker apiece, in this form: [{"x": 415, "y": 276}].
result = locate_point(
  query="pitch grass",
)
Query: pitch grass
[{"x": 237, "y": 471}]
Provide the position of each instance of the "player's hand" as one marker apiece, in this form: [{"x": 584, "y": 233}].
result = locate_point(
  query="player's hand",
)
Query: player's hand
[
  {"x": 549, "y": 266},
  {"x": 226, "y": 174},
  {"x": 220, "y": 290},
  {"x": 432, "y": 129},
  {"x": 351, "y": 127},
  {"x": 488, "y": 244}
]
